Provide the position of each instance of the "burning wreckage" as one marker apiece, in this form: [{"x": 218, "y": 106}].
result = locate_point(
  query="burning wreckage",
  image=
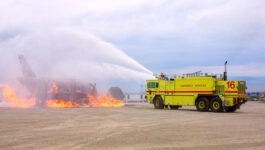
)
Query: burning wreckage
[{"x": 55, "y": 94}]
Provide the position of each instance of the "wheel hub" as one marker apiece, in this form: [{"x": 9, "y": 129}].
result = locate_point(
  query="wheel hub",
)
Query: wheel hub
[
  {"x": 157, "y": 103},
  {"x": 201, "y": 104},
  {"x": 216, "y": 105}
]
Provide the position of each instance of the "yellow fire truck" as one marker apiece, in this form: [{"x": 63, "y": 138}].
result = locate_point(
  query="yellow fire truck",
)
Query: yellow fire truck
[{"x": 206, "y": 92}]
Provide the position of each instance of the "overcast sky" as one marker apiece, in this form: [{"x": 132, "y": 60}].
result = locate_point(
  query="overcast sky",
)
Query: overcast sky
[{"x": 173, "y": 36}]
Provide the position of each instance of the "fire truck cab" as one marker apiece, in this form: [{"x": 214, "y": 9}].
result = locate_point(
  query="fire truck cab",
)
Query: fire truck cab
[{"x": 207, "y": 92}]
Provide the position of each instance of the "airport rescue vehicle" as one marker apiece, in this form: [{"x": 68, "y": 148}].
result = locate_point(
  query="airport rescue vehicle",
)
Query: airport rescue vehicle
[{"x": 206, "y": 92}]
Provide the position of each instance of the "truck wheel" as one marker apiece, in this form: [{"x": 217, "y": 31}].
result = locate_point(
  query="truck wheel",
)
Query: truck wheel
[
  {"x": 202, "y": 104},
  {"x": 158, "y": 103},
  {"x": 216, "y": 105},
  {"x": 174, "y": 107},
  {"x": 231, "y": 109}
]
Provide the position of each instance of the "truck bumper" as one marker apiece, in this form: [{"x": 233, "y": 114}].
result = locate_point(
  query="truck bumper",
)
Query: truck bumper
[{"x": 240, "y": 101}]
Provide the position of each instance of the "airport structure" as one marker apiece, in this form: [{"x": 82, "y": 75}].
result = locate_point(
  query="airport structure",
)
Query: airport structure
[
  {"x": 256, "y": 94},
  {"x": 135, "y": 98},
  {"x": 64, "y": 90}
]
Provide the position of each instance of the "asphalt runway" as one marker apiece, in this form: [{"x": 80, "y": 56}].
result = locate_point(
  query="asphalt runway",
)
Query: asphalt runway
[{"x": 136, "y": 126}]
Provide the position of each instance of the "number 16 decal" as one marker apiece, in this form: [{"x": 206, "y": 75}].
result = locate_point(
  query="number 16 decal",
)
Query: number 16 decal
[{"x": 231, "y": 84}]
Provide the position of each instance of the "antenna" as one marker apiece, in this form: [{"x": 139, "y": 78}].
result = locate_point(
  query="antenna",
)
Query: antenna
[{"x": 225, "y": 73}]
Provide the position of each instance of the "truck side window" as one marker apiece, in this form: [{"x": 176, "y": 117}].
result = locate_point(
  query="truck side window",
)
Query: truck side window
[{"x": 152, "y": 85}]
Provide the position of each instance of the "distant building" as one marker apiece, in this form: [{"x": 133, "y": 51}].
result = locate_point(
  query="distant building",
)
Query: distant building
[
  {"x": 135, "y": 98},
  {"x": 255, "y": 93}
]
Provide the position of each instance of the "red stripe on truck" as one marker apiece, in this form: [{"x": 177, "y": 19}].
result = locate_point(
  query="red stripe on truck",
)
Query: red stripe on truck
[
  {"x": 189, "y": 91},
  {"x": 230, "y": 91},
  {"x": 181, "y": 91}
]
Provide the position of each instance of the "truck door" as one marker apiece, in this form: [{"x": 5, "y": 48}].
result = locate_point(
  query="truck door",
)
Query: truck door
[{"x": 169, "y": 93}]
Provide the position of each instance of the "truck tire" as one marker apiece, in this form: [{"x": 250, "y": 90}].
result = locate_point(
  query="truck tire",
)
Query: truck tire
[
  {"x": 158, "y": 103},
  {"x": 202, "y": 104},
  {"x": 216, "y": 105},
  {"x": 231, "y": 109}
]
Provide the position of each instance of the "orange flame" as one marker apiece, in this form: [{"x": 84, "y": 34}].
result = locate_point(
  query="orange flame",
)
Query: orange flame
[
  {"x": 105, "y": 101},
  {"x": 54, "y": 89},
  {"x": 86, "y": 105},
  {"x": 61, "y": 104},
  {"x": 78, "y": 91},
  {"x": 11, "y": 97},
  {"x": 100, "y": 101}
]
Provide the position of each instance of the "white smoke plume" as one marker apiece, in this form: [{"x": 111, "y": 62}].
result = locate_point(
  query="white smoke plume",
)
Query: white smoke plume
[{"x": 62, "y": 54}]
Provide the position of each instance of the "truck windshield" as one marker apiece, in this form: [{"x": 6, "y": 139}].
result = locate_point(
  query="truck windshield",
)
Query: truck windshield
[{"x": 152, "y": 85}]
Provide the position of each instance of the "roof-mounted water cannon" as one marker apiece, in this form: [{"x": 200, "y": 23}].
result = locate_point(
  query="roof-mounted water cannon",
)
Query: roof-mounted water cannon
[
  {"x": 156, "y": 76},
  {"x": 225, "y": 73}
]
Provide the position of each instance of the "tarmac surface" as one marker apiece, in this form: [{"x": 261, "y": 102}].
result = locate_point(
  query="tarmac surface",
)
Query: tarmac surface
[{"x": 132, "y": 127}]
